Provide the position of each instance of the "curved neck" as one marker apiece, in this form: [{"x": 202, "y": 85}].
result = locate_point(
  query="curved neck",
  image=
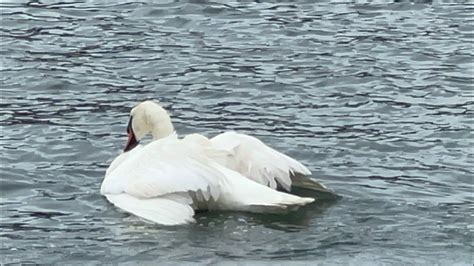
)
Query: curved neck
[
  {"x": 149, "y": 117},
  {"x": 162, "y": 128}
]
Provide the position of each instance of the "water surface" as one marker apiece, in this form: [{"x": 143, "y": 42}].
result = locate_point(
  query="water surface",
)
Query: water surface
[{"x": 377, "y": 100}]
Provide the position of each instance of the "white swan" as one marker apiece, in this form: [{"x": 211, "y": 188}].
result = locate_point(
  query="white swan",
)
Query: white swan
[{"x": 167, "y": 179}]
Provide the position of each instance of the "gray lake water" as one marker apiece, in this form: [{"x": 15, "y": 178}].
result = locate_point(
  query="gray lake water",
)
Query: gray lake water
[{"x": 377, "y": 100}]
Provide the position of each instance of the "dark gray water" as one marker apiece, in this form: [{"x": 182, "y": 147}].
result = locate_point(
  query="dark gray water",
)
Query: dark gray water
[{"x": 377, "y": 100}]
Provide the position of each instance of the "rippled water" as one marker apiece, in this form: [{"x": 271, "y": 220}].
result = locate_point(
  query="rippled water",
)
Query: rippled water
[{"x": 377, "y": 100}]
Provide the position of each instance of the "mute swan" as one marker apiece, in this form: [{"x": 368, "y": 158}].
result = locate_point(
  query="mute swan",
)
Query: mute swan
[
  {"x": 242, "y": 153},
  {"x": 167, "y": 179}
]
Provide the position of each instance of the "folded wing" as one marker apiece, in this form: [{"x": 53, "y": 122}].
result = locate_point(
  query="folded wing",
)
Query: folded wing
[
  {"x": 257, "y": 161},
  {"x": 165, "y": 210},
  {"x": 147, "y": 181}
]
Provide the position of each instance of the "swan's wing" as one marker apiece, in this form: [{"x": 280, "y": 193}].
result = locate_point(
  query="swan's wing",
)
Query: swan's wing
[
  {"x": 205, "y": 147},
  {"x": 306, "y": 182},
  {"x": 166, "y": 210},
  {"x": 163, "y": 167},
  {"x": 243, "y": 194},
  {"x": 146, "y": 182},
  {"x": 257, "y": 161},
  {"x": 121, "y": 158}
]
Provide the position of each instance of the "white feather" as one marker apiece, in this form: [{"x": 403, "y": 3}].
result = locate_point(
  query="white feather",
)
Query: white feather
[
  {"x": 166, "y": 210},
  {"x": 243, "y": 194},
  {"x": 257, "y": 161},
  {"x": 162, "y": 167}
]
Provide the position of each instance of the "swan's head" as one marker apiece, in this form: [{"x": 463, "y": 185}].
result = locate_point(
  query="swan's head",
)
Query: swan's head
[{"x": 146, "y": 117}]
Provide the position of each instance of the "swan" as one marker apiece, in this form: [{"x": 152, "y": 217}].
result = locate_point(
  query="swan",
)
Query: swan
[{"x": 166, "y": 180}]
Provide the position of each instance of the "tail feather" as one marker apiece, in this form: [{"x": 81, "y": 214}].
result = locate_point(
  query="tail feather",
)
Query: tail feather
[
  {"x": 283, "y": 207},
  {"x": 299, "y": 180},
  {"x": 247, "y": 195}
]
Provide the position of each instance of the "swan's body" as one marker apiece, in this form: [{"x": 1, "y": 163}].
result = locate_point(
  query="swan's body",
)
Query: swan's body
[{"x": 167, "y": 179}]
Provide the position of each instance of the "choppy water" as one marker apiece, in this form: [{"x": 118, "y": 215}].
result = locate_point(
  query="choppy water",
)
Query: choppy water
[{"x": 376, "y": 99}]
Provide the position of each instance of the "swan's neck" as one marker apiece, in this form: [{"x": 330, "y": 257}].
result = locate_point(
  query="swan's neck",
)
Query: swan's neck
[
  {"x": 161, "y": 125},
  {"x": 149, "y": 117}
]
